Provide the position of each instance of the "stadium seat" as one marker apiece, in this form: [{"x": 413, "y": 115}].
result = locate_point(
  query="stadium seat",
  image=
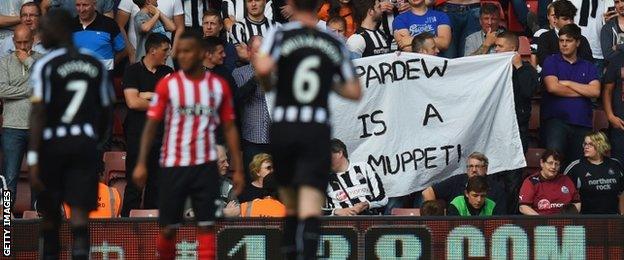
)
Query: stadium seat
[
  {"x": 525, "y": 47},
  {"x": 114, "y": 166},
  {"x": 601, "y": 123},
  {"x": 144, "y": 213},
  {"x": 405, "y": 212},
  {"x": 534, "y": 121},
  {"x": 120, "y": 185},
  {"x": 30, "y": 214},
  {"x": 532, "y": 157},
  {"x": 23, "y": 196}
]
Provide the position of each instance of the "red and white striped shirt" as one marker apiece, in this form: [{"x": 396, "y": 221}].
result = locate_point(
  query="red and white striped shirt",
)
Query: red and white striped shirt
[{"x": 189, "y": 108}]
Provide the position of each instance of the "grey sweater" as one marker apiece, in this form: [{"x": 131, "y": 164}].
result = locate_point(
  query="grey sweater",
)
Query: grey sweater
[
  {"x": 609, "y": 38},
  {"x": 15, "y": 90}
]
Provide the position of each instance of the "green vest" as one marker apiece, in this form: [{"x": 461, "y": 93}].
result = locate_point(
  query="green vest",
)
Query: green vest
[{"x": 460, "y": 204}]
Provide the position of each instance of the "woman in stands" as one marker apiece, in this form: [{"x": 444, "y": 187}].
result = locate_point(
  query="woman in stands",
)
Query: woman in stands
[
  {"x": 599, "y": 179},
  {"x": 261, "y": 165},
  {"x": 548, "y": 191}
]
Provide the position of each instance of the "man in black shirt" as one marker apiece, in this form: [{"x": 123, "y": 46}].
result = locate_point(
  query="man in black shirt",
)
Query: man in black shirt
[
  {"x": 309, "y": 63},
  {"x": 139, "y": 83},
  {"x": 548, "y": 42},
  {"x": 69, "y": 121},
  {"x": 613, "y": 104}
]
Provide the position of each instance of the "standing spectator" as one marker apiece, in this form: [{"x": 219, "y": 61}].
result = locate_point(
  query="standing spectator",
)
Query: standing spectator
[
  {"x": 391, "y": 9},
  {"x": 215, "y": 57},
  {"x": 368, "y": 40},
  {"x": 15, "y": 93},
  {"x": 425, "y": 43},
  {"x": 193, "y": 14},
  {"x": 464, "y": 19},
  {"x": 9, "y": 16},
  {"x": 548, "y": 42},
  {"x": 590, "y": 20},
  {"x": 104, "y": 7},
  {"x": 255, "y": 23},
  {"x": 613, "y": 105},
  {"x": 482, "y": 42},
  {"x": 612, "y": 34},
  {"x": 97, "y": 33},
  {"x": 29, "y": 16},
  {"x": 598, "y": 178},
  {"x": 566, "y": 109},
  {"x": 474, "y": 201},
  {"x": 250, "y": 96},
  {"x": 260, "y": 167},
  {"x": 547, "y": 191},
  {"x": 126, "y": 12},
  {"x": 139, "y": 85},
  {"x": 234, "y": 11},
  {"x": 552, "y": 22},
  {"x": 342, "y": 8},
  {"x": 354, "y": 187},
  {"x": 476, "y": 165},
  {"x": 149, "y": 20},
  {"x": 212, "y": 26},
  {"x": 421, "y": 19}
]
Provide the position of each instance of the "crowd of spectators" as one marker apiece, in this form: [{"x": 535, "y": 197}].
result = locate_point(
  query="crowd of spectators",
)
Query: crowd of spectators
[{"x": 575, "y": 67}]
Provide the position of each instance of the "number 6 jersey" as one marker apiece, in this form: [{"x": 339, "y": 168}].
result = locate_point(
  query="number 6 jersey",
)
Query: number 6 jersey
[{"x": 309, "y": 63}]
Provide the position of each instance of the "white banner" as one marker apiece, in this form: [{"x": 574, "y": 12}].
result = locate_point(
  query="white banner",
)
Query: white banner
[{"x": 421, "y": 116}]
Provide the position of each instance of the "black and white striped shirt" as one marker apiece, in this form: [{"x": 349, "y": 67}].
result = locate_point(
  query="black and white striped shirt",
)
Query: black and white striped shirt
[
  {"x": 358, "y": 184},
  {"x": 367, "y": 42},
  {"x": 237, "y": 9},
  {"x": 242, "y": 31},
  {"x": 385, "y": 26}
]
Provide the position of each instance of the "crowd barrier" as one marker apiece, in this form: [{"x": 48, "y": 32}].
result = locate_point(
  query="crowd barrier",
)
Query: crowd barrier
[{"x": 574, "y": 237}]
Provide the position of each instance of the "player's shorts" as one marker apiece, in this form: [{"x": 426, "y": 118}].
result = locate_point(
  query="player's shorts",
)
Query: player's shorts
[
  {"x": 301, "y": 154},
  {"x": 68, "y": 170},
  {"x": 176, "y": 184}
]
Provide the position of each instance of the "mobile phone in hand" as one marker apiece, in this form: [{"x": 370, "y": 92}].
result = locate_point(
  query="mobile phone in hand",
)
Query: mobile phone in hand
[{"x": 611, "y": 9}]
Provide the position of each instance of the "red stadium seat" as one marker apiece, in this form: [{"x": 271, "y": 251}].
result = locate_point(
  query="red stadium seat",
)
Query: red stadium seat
[
  {"x": 601, "y": 123},
  {"x": 532, "y": 157},
  {"x": 525, "y": 47},
  {"x": 534, "y": 121},
  {"x": 22, "y": 198},
  {"x": 120, "y": 185},
  {"x": 405, "y": 212},
  {"x": 30, "y": 214},
  {"x": 144, "y": 213},
  {"x": 114, "y": 166}
]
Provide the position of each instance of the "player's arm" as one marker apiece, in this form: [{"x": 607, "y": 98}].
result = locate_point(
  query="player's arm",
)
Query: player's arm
[{"x": 350, "y": 87}]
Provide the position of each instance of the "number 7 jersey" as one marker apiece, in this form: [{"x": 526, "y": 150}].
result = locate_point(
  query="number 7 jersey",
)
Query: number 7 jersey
[
  {"x": 74, "y": 89},
  {"x": 309, "y": 63}
]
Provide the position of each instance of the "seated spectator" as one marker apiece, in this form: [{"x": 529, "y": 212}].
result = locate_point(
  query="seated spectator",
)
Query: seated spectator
[
  {"x": 483, "y": 41},
  {"x": 29, "y": 16},
  {"x": 548, "y": 42},
  {"x": 9, "y": 17},
  {"x": 108, "y": 206},
  {"x": 260, "y": 167},
  {"x": 454, "y": 186},
  {"x": 212, "y": 26},
  {"x": 97, "y": 33},
  {"x": 424, "y": 43},
  {"x": 566, "y": 106},
  {"x": 547, "y": 191},
  {"x": 354, "y": 188},
  {"x": 255, "y": 23},
  {"x": 337, "y": 25},
  {"x": 149, "y": 20},
  {"x": 421, "y": 19},
  {"x": 464, "y": 19},
  {"x": 474, "y": 202},
  {"x": 612, "y": 35},
  {"x": 432, "y": 208},
  {"x": 598, "y": 178},
  {"x": 15, "y": 92},
  {"x": 341, "y": 8},
  {"x": 368, "y": 39},
  {"x": 268, "y": 206}
]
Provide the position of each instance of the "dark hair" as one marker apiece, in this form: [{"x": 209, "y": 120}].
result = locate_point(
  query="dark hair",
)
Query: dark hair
[
  {"x": 488, "y": 8},
  {"x": 55, "y": 28},
  {"x": 564, "y": 8},
  {"x": 477, "y": 184},
  {"x": 306, "y": 5},
  {"x": 569, "y": 209},
  {"x": 338, "y": 146},
  {"x": 432, "y": 208},
  {"x": 211, "y": 43},
  {"x": 33, "y": 4},
  {"x": 548, "y": 153},
  {"x": 419, "y": 40},
  {"x": 571, "y": 30},
  {"x": 337, "y": 19},
  {"x": 155, "y": 40},
  {"x": 213, "y": 12},
  {"x": 139, "y": 3},
  {"x": 510, "y": 37},
  {"x": 361, "y": 8}
]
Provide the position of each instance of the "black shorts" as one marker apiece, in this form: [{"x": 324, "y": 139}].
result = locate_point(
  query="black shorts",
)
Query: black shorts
[
  {"x": 301, "y": 154},
  {"x": 68, "y": 170},
  {"x": 199, "y": 182}
]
